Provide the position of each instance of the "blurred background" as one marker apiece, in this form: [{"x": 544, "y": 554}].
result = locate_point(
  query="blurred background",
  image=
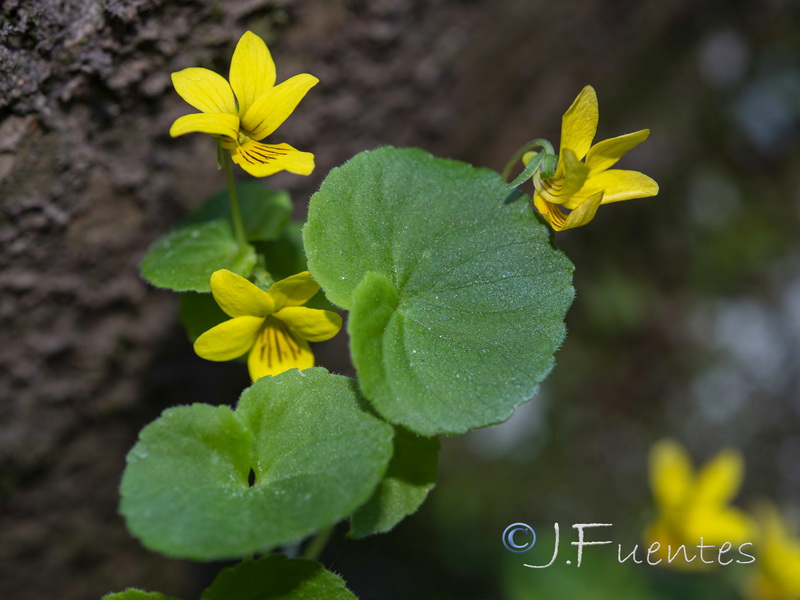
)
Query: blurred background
[{"x": 686, "y": 323}]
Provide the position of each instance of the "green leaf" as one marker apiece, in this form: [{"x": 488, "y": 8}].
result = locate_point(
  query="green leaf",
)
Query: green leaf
[
  {"x": 132, "y": 594},
  {"x": 265, "y": 212},
  {"x": 286, "y": 256},
  {"x": 277, "y": 578},
  {"x": 315, "y": 451},
  {"x": 409, "y": 478},
  {"x": 528, "y": 171},
  {"x": 272, "y": 578},
  {"x": 184, "y": 259},
  {"x": 457, "y": 296},
  {"x": 199, "y": 313}
]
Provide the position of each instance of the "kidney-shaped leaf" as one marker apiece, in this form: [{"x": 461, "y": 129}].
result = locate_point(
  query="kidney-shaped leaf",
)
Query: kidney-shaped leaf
[
  {"x": 457, "y": 296},
  {"x": 315, "y": 453}
]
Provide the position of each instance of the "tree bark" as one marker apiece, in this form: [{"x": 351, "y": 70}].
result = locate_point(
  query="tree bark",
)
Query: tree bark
[{"x": 90, "y": 177}]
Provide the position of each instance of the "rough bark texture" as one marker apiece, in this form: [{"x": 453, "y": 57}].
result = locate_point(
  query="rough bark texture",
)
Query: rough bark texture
[{"x": 90, "y": 178}]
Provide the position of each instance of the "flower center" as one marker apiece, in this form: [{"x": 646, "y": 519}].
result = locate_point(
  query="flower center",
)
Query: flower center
[{"x": 551, "y": 189}]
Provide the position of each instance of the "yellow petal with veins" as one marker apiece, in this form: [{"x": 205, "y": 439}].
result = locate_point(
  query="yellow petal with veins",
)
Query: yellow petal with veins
[
  {"x": 269, "y": 111},
  {"x": 205, "y": 90},
  {"x": 221, "y": 124},
  {"x": 228, "y": 340},
  {"x": 310, "y": 324},
  {"x": 239, "y": 297},
  {"x": 295, "y": 290},
  {"x": 605, "y": 154},
  {"x": 261, "y": 160},
  {"x": 252, "y": 72},
  {"x": 276, "y": 350},
  {"x": 551, "y": 213},
  {"x": 560, "y": 189},
  {"x": 579, "y": 124},
  {"x": 560, "y": 220}
]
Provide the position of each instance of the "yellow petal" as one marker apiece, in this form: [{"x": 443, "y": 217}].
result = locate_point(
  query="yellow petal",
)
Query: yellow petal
[
  {"x": 561, "y": 188},
  {"x": 205, "y": 90},
  {"x": 560, "y": 220},
  {"x": 228, "y": 340},
  {"x": 310, "y": 324},
  {"x": 551, "y": 213},
  {"x": 528, "y": 157},
  {"x": 670, "y": 542},
  {"x": 720, "y": 479},
  {"x": 671, "y": 474},
  {"x": 605, "y": 154},
  {"x": 295, "y": 290},
  {"x": 717, "y": 526},
  {"x": 618, "y": 185},
  {"x": 239, "y": 297},
  {"x": 276, "y": 351},
  {"x": 583, "y": 213},
  {"x": 261, "y": 160},
  {"x": 579, "y": 124},
  {"x": 252, "y": 71},
  {"x": 221, "y": 124},
  {"x": 778, "y": 554},
  {"x": 270, "y": 110}
]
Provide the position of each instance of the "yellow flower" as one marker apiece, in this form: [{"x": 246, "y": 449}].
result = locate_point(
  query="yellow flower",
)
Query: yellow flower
[
  {"x": 257, "y": 110},
  {"x": 579, "y": 185},
  {"x": 693, "y": 505},
  {"x": 272, "y": 325},
  {"x": 778, "y": 575}
]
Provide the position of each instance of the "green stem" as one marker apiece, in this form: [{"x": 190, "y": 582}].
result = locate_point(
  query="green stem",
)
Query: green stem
[
  {"x": 236, "y": 213},
  {"x": 317, "y": 544},
  {"x": 527, "y": 147}
]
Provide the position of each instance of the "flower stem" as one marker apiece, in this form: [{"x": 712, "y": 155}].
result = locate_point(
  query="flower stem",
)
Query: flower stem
[
  {"x": 317, "y": 544},
  {"x": 537, "y": 143},
  {"x": 236, "y": 213}
]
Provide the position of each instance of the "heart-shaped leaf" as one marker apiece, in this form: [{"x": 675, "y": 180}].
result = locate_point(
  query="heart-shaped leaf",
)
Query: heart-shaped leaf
[
  {"x": 457, "y": 295},
  {"x": 303, "y": 439}
]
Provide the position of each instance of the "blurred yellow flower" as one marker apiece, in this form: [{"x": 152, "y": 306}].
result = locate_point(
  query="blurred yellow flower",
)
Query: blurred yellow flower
[
  {"x": 778, "y": 564},
  {"x": 271, "y": 325},
  {"x": 693, "y": 505},
  {"x": 579, "y": 185},
  {"x": 258, "y": 108}
]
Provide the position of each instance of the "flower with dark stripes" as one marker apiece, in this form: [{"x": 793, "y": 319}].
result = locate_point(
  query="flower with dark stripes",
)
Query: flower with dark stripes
[
  {"x": 272, "y": 325},
  {"x": 246, "y": 110},
  {"x": 583, "y": 180}
]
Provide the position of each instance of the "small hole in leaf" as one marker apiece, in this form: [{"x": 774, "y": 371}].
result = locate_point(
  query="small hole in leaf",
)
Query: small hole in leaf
[{"x": 251, "y": 479}]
